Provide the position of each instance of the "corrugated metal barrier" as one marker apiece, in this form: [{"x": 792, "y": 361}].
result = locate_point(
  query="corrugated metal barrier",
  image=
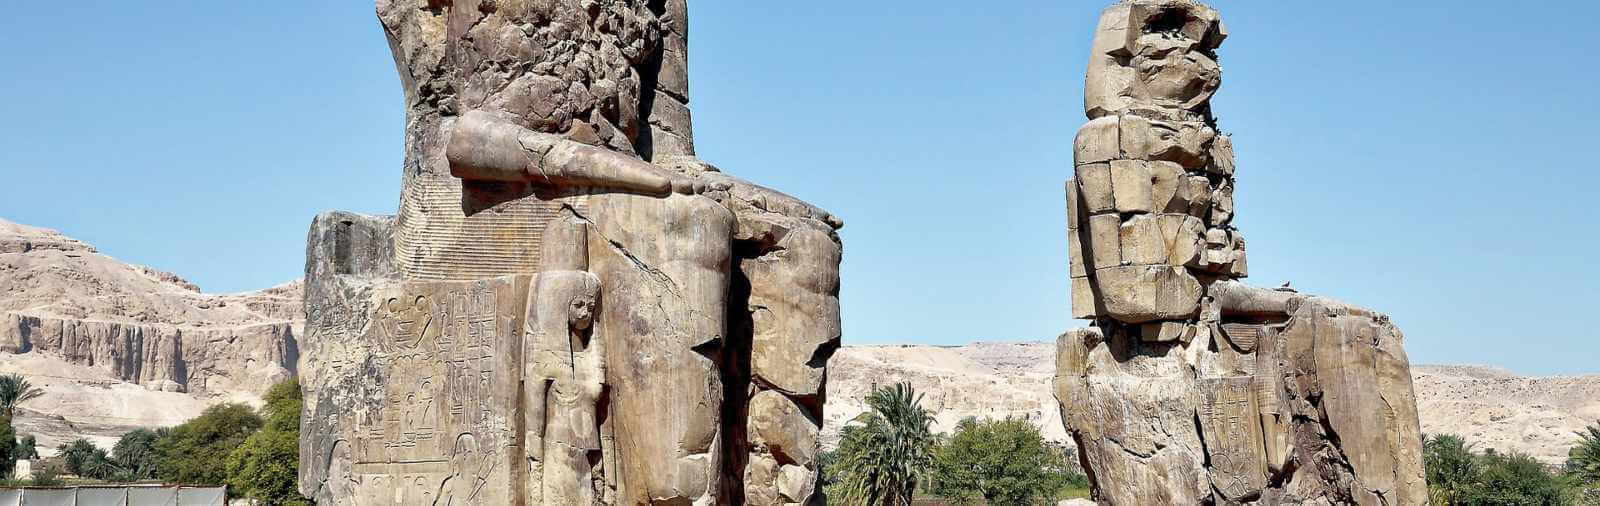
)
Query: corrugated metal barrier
[{"x": 125, "y": 495}]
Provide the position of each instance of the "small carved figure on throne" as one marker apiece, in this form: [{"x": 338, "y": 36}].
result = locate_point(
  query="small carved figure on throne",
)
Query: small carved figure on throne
[{"x": 564, "y": 370}]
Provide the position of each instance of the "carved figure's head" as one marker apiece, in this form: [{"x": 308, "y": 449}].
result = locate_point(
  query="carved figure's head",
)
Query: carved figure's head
[
  {"x": 580, "y": 313},
  {"x": 1155, "y": 54},
  {"x": 581, "y": 68}
]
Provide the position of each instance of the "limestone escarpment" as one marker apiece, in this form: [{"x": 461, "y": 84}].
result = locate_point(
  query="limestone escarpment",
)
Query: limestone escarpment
[
  {"x": 1193, "y": 387},
  {"x": 62, "y": 298},
  {"x": 569, "y": 307}
]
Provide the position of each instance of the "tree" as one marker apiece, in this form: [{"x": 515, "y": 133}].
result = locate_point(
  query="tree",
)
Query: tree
[
  {"x": 1457, "y": 476},
  {"x": 1000, "y": 461},
  {"x": 886, "y": 451},
  {"x": 1452, "y": 469},
  {"x": 15, "y": 390},
  {"x": 135, "y": 454},
  {"x": 1583, "y": 465},
  {"x": 266, "y": 467},
  {"x": 27, "y": 448},
  {"x": 194, "y": 453},
  {"x": 1583, "y": 461},
  {"x": 84, "y": 459},
  {"x": 8, "y": 447}
]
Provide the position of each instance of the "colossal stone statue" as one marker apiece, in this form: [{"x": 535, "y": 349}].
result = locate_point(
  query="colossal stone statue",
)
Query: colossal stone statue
[
  {"x": 569, "y": 308},
  {"x": 1192, "y": 387}
]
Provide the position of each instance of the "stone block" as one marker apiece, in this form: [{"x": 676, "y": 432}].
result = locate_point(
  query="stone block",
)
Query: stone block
[
  {"x": 1240, "y": 268},
  {"x": 1131, "y": 186},
  {"x": 1075, "y": 209},
  {"x": 1167, "y": 181},
  {"x": 1157, "y": 239},
  {"x": 1107, "y": 88},
  {"x": 1221, "y": 162},
  {"x": 1195, "y": 196},
  {"x": 782, "y": 427},
  {"x": 1221, "y": 206},
  {"x": 1182, "y": 142},
  {"x": 1085, "y": 305},
  {"x": 1078, "y": 262},
  {"x": 1139, "y": 293},
  {"x": 1166, "y": 332},
  {"x": 1105, "y": 245},
  {"x": 1094, "y": 188},
  {"x": 1142, "y": 242},
  {"x": 1098, "y": 141}
]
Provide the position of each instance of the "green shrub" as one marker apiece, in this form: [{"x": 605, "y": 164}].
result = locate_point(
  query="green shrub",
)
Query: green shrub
[
  {"x": 194, "y": 453},
  {"x": 27, "y": 448},
  {"x": 1000, "y": 462},
  {"x": 1457, "y": 476},
  {"x": 266, "y": 467}
]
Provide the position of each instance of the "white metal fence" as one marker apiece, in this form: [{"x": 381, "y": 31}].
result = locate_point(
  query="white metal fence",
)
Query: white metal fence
[{"x": 126, "y": 495}]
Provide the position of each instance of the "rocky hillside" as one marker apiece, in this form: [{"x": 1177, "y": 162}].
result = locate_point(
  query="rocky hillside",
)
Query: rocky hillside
[
  {"x": 1491, "y": 408},
  {"x": 116, "y": 345}
]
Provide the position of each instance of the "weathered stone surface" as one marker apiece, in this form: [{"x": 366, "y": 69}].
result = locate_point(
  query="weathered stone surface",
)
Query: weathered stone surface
[
  {"x": 1098, "y": 141},
  {"x": 1142, "y": 293},
  {"x": 639, "y": 328},
  {"x": 1194, "y": 388},
  {"x": 1131, "y": 186},
  {"x": 1094, "y": 184}
]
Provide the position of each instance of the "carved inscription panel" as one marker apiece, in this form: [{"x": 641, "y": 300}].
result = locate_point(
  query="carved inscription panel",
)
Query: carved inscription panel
[
  {"x": 1230, "y": 422},
  {"x": 446, "y": 428}
]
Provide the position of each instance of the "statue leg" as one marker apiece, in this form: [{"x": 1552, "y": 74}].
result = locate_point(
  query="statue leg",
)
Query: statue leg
[{"x": 665, "y": 264}]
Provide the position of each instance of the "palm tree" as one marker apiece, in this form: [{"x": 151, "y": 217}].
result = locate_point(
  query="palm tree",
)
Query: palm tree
[
  {"x": 1584, "y": 459},
  {"x": 885, "y": 451},
  {"x": 15, "y": 390},
  {"x": 1452, "y": 469},
  {"x": 1583, "y": 462}
]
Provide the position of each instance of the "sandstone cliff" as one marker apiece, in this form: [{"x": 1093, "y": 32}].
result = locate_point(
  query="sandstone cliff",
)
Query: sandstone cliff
[
  {"x": 1489, "y": 407},
  {"x": 62, "y": 299}
]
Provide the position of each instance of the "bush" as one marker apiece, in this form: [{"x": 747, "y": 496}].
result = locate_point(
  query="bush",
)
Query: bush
[
  {"x": 27, "y": 448},
  {"x": 1457, "y": 476},
  {"x": 1001, "y": 462},
  {"x": 194, "y": 453},
  {"x": 266, "y": 467},
  {"x": 48, "y": 475}
]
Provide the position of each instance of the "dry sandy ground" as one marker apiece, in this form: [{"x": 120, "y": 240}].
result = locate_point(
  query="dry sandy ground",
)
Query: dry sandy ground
[{"x": 1490, "y": 407}]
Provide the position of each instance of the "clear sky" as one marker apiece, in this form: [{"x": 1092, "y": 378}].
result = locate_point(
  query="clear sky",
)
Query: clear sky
[{"x": 1426, "y": 158}]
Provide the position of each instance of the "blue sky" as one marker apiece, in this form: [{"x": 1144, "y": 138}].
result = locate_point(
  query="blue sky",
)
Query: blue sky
[{"x": 1426, "y": 158}]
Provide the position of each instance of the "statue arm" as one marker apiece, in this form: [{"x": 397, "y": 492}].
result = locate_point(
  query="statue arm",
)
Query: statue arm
[{"x": 485, "y": 148}]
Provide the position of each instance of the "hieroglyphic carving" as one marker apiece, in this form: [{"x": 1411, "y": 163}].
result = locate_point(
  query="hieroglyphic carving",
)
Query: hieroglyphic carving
[
  {"x": 1230, "y": 423},
  {"x": 440, "y": 429}
]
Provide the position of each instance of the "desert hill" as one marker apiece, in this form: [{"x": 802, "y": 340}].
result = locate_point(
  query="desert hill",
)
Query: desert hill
[
  {"x": 1489, "y": 407},
  {"x": 117, "y": 346}
]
